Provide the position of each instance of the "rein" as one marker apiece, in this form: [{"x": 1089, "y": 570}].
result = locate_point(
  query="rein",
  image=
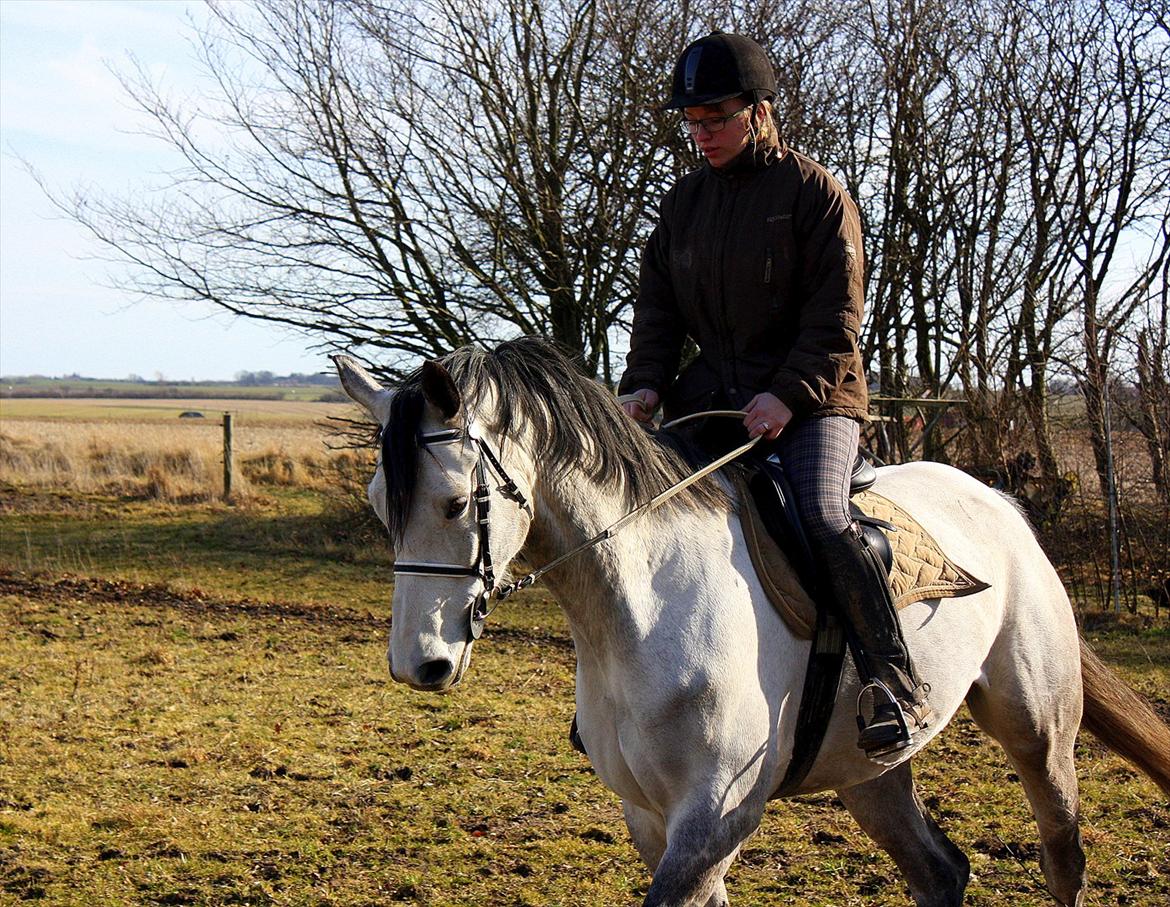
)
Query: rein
[{"x": 483, "y": 570}]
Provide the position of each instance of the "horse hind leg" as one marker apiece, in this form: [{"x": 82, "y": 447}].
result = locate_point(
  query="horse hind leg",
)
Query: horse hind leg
[
  {"x": 889, "y": 810},
  {"x": 1040, "y": 743}
]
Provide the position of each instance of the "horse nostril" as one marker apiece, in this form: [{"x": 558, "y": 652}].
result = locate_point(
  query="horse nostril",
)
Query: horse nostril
[{"x": 434, "y": 673}]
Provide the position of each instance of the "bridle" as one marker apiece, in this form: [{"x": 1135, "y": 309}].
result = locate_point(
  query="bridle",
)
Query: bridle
[{"x": 482, "y": 568}]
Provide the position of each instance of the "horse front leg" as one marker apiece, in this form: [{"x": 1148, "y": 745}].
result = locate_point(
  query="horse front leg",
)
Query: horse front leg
[
  {"x": 648, "y": 831},
  {"x": 700, "y": 846},
  {"x": 718, "y": 897}
]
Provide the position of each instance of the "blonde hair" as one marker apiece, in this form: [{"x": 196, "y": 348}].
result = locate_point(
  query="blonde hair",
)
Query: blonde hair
[{"x": 765, "y": 135}]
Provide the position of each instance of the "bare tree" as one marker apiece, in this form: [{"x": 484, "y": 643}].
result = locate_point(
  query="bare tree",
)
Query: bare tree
[
  {"x": 989, "y": 233},
  {"x": 1121, "y": 147},
  {"x": 1152, "y": 415},
  {"x": 406, "y": 176},
  {"x": 990, "y": 149},
  {"x": 1042, "y": 102},
  {"x": 889, "y": 90},
  {"x": 409, "y": 177}
]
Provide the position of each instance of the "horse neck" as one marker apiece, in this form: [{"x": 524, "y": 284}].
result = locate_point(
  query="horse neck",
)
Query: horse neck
[{"x": 617, "y": 591}]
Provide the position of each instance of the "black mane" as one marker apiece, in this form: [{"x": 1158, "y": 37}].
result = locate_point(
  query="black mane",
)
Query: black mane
[{"x": 576, "y": 422}]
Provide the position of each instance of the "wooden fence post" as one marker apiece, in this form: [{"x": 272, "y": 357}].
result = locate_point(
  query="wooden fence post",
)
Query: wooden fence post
[
  {"x": 227, "y": 456},
  {"x": 1114, "y": 523}
]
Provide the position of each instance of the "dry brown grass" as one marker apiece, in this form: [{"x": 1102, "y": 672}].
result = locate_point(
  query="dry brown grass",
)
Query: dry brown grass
[
  {"x": 161, "y": 748},
  {"x": 121, "y": 409},
  {"x": 169, "y": 461}
]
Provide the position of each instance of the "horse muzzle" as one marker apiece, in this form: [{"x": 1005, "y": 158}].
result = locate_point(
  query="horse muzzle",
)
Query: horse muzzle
[
  {"x": 431, "y": 672},
  {"x": 434, "y": 676}
]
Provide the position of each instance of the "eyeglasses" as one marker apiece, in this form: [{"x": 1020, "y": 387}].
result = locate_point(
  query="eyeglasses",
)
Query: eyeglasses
[{"x": 710, "y": 124}]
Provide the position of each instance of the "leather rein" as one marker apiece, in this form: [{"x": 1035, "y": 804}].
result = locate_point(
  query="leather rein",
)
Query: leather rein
[{"x": 482, "y": 568}]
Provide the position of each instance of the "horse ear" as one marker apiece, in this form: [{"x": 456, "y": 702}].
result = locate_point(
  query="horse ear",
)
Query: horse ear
[
  {"x": 439, "y": 388},
  {"x": 362, "y": 389}
]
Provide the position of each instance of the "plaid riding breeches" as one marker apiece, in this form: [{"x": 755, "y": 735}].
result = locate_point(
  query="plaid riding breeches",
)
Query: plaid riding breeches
[{"x": 818, "y": 455}]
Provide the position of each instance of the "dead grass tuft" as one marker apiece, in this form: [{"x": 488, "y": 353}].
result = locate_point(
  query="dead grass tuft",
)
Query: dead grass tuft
[
  {"x": 275, "y": 467},
  {"x": 155, "y": 656}
]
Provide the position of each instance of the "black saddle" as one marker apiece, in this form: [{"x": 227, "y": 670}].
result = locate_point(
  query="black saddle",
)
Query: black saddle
[{"x": 773, "y": 496}]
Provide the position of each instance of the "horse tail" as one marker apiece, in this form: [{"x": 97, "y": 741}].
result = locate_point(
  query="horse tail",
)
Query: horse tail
[{"x": 1123, "y": 720}]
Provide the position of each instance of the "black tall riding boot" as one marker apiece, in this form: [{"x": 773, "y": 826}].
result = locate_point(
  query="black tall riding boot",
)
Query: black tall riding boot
[{"x": 858, "y": 584}]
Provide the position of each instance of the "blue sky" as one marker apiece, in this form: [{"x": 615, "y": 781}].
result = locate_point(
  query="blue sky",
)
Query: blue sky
[{"x": 63, "y": 111}]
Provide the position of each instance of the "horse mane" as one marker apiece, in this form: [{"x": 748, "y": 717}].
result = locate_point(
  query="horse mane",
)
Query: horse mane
[{"x": 576, "y": 423}]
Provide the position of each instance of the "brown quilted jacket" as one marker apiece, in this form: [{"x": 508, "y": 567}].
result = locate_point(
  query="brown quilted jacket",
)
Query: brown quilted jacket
[{"x": 759, "y": 263}]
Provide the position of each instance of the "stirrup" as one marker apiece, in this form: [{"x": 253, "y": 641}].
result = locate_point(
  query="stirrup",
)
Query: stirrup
[{"x": 891, "y": 707}]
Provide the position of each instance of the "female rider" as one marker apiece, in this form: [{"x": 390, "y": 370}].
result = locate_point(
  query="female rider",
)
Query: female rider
[{"x": 757, "y": 258}]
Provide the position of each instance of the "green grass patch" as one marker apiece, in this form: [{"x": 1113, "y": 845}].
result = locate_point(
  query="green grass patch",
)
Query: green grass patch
[
  {"x": 199, "y": 713},
  {"x": 286, "y": 546}
]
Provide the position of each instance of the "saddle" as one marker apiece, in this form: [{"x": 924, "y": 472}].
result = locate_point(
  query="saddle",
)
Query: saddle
[{"x": 917, "y": 567}]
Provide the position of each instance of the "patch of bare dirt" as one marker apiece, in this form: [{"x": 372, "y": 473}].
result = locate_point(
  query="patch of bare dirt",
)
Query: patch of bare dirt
[
  {"x": 41, "y": 587},
  {"x": 15, "y": 499},
  {"x": 62, "y": 589}
]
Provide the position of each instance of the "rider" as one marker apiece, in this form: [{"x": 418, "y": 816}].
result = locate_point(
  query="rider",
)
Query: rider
[{"x": 757, "y": 258}]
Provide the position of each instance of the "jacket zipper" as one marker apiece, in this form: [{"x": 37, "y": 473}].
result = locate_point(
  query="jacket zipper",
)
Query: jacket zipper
[{"x": 727, "y": 207}]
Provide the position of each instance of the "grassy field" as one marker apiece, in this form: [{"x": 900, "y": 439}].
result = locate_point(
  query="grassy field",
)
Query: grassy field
[
  {"x": 123, "y": 411},
  {"x": 194, "y": 709},
  {"x": 99, "y": 387}
]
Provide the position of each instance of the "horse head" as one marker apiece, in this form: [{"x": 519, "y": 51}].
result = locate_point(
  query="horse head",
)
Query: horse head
[
  {"x": 472, "y": 447},
  {"x": 456, "y": 515}
]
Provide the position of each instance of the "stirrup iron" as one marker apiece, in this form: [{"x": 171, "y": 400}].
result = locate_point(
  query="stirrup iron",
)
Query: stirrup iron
[{"x": 892, "y": 707}]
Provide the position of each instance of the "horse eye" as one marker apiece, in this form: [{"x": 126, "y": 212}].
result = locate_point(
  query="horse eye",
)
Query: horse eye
[{"x": 455, "y": 507}]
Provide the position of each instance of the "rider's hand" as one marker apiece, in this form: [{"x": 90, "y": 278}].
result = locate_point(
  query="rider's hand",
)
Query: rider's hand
[
  {"x": 643, "y": 408},
  {"x": 766, "y": 415}
]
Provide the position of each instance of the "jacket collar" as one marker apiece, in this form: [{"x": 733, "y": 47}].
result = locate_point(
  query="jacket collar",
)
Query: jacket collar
[{"x": 751, "y": 160}]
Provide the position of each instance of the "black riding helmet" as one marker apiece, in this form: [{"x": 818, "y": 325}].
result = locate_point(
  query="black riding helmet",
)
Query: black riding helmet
[{"x": 718, "y": 67}]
